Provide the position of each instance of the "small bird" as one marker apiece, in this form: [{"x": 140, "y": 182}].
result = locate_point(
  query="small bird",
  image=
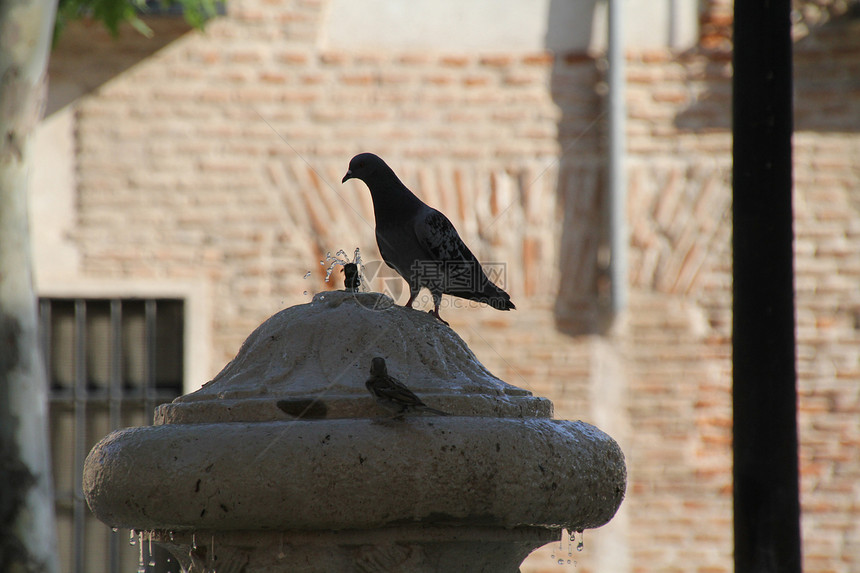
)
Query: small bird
[
  {"x": 420, "y": 243},
  {"x": 392, "y": 394}
]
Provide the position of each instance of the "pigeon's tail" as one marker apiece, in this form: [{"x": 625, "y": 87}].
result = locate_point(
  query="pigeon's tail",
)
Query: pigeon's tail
[
  {"x": 492, "y": 295},
  {"x": 495, "y": 297},
  {"x": 501, "y": 304},
  {"x": 501, "y": 300},
  {"x": 426, "y": 408}
]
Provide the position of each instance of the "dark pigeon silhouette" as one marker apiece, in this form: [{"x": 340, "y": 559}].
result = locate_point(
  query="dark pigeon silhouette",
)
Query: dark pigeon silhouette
[
  {"x": 392, "y": 394},
  {"x": 420, "y": 243}
]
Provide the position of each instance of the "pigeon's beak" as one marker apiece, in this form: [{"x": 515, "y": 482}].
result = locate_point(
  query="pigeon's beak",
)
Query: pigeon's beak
[{"x": 347, "y": 176}]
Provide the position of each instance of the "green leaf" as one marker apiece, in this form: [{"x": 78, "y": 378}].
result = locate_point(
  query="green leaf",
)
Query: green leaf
[{"x": 113, "y": 13}]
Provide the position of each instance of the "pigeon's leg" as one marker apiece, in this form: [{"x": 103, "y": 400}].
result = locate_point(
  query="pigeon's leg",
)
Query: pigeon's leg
[
  {"x": 435, "y": 312},
  {"x": 437, "y": 300},
  {"x": 413, "y": 292}
]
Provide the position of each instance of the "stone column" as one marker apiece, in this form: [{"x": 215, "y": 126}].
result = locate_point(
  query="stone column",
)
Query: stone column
[{"x": 285, "y": 462}]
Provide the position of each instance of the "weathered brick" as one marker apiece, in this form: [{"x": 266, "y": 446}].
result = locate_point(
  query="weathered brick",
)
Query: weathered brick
[{"x": 208, "y": 190}]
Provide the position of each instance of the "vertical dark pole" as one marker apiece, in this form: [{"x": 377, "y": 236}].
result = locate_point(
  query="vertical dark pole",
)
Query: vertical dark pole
[{"x": 766, "y": 496}]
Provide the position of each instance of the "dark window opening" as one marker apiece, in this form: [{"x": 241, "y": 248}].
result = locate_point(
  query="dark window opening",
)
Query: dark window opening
[{"x": 109, "y": 363}]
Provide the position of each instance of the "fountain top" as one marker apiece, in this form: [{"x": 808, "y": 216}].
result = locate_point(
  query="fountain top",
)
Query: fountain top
[
  {"x": 311, "y": 361},
  {"x": 286, "y": 446}
]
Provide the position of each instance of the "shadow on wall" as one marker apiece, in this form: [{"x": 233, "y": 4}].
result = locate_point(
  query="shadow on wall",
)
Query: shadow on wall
[
  {"x": 826, "y": 72},
  {"x": 709, "y": 111},
  {"x": 86, "y": 56},
  {"x": 825, "y": 83},
  {"x": 575, "y": 83}
]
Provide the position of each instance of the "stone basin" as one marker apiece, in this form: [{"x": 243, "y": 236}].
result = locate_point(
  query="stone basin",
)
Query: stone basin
[{"x": 284, "y": 462}]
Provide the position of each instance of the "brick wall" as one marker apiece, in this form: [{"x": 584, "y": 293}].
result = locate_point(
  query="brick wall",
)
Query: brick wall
[
  {"x": 219, "y": 157},
  {"x": 827, "y": 207}
]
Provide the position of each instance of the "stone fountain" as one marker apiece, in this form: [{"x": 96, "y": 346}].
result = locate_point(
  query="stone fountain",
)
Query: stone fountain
[{"x": 284, "y": 462}]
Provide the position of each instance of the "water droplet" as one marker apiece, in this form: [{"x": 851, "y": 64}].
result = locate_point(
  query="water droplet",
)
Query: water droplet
[
  {"x": 132, "y": 538},
  {"x": 561, "y": 561},
  {"x": 568, "y": 561},
  {"x": 141, "y": 568},
  {"x": 307, "y": 274},
  {"x": 170, "y": 535},
  {"x": 114, "y": 529},
  {"x": 340, "y": 258},
  {"x": 305, "y": 293},
  {"x": 152, "y": 562}
]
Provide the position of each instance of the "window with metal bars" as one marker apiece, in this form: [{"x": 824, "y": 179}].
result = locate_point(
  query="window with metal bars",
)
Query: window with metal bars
[{"x": 109, "y": 362}]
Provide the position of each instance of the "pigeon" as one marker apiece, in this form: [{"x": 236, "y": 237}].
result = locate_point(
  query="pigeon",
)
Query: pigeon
[
  {"x": 420, "y": 243},
  {"x": 392, "y": 394}
]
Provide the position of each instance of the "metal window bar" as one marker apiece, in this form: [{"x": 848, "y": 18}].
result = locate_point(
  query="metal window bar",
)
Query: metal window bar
[
  {"x": 110, "y": 362},
  {"x": 80, "y": 437},
  {"x": 150, "y": 332},
  {"x": 115, "y": 405}
]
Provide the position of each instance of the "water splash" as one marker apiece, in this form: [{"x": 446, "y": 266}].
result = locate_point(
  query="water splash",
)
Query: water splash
[
  {"x": 211, "y": 556},
  {"x": 151, "y": 558},
  {"x": 560, "y": 547},
  {"x": 571, "y": 537},
  {"x": 340, "y": 258},
  {"x": 141, "y": 567}
]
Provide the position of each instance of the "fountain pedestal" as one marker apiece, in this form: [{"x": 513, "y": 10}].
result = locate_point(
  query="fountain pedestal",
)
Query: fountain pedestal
[{"x": 284, "y": 462}]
